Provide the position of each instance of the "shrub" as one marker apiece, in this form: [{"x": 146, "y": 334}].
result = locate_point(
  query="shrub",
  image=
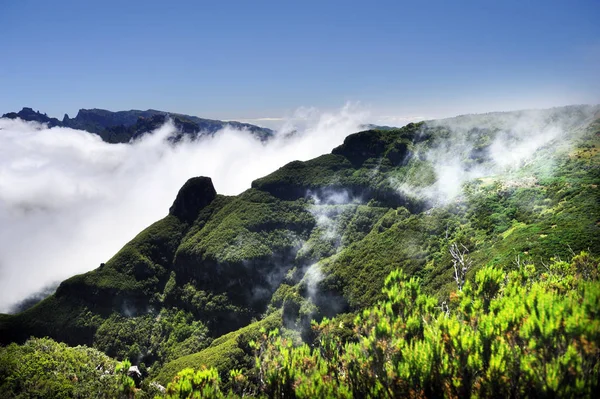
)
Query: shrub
[{"x": 516, "y": 334}]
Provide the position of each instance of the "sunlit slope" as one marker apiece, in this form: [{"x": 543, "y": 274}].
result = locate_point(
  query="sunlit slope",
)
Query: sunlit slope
[
  {"x": 319, "y": 237},
  {"x": 545, "y": 208}
]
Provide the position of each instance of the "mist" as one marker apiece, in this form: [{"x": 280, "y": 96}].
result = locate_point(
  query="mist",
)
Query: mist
[
  {"x": 475, "y": 146},
  {"x": 69, "y": 201}
]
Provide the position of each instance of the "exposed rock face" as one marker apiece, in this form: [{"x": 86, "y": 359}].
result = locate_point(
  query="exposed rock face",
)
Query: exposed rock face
[
  {"x": 157, "y": 386},
  {"x": 195, "y": 194},
  {"x": 28, "y": 114},
  {"x": 135, "y": 374},
  {"x": 123, "y": 126}
]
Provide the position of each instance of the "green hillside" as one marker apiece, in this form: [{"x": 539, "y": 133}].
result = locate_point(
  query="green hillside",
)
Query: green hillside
[{"x": 320, "y": 238}]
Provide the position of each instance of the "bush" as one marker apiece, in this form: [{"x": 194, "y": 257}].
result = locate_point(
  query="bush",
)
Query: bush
[
  {"x": 516, "y": 334},
  {"x": 43, "y": 368}
]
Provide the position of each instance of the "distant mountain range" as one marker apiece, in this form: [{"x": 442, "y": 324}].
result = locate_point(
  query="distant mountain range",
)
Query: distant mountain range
[{"x": 123, "y": 126}]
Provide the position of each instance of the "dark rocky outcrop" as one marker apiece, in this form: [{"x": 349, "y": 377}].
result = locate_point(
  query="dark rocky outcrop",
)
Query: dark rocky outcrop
[
  {"x": 123, "y": 126},
  {"x": 28, "y": 114},
  {"x": 195, "y": 194}
]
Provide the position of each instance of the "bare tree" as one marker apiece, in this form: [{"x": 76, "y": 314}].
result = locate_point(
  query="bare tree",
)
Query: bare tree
[{"x": 461, "y": 263}]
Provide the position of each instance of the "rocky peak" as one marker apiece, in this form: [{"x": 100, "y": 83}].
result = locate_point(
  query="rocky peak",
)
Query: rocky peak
[
  {"x": 28, "y": 114},
  {"x": 195, "y": 194},
  {"x": 361, "y": 146}
]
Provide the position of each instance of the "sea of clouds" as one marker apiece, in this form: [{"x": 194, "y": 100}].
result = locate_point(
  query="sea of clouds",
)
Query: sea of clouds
[{"x": 69, "y": 201}]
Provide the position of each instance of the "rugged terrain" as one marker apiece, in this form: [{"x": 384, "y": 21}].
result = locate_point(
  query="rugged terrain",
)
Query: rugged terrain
[
  {"x": 318, "y": 238},
  {"x": 124, "y": 126}
]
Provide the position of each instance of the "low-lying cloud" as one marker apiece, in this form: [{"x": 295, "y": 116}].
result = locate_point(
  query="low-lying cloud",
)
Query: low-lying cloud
[
  {"x": 69, "y": 201},
  {"x": 477, "y": 146}
]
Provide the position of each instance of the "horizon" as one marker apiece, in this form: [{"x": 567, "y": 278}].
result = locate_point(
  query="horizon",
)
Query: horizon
[
  {"x": 277, "y": 123},
  {"x": 260, "y": 62}
]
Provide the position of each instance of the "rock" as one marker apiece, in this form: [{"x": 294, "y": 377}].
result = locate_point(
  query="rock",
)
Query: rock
[
  {"x": 158, "y": 387},
  {"x": 28, "y": 114},
  {"x": 195, "y": 194},
  {"x": 122, "y": 126},
  {"x": 135, "y": 374}
]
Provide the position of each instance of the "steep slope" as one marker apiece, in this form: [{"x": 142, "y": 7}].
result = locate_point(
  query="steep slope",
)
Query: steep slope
[
  {"x": 530, "y": 214},
  {"x": 127, "y": 282},
  {"x": 319, "y": 237}
]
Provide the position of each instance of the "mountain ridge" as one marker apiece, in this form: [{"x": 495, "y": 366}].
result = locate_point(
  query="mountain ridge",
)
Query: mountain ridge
[{"x": 124, "y": 126}]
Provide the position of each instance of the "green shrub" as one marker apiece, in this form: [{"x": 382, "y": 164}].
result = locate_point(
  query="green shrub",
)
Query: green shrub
[
  {"x": 516, "y": 334},
  {"x": 43, "y": 368}
]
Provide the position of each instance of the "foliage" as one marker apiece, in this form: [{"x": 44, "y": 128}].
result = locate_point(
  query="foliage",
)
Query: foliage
[
  {"x": 43, "y": 368},
  {"x": 189, "y": 291},
  {"x": 152, "y": 337},
  {"x": 125, "y": 382},
  {"x": 228, "y": 352},
  {"x": 506, "y": 335}
]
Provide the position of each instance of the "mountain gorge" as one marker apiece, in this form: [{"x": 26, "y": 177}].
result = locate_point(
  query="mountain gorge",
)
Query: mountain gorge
[{"x": 319, "y": 239}]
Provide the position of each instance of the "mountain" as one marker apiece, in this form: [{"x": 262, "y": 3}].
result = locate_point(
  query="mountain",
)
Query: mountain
[
  {"x": 28, "y": 114},
  {"x": 123, "y": 126},
  {"x": 322, "y": 238},
  {"x": 370, "y": 126}
]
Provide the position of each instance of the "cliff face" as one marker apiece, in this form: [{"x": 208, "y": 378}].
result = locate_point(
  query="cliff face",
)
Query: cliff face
[{"x": 194, "y": 196}]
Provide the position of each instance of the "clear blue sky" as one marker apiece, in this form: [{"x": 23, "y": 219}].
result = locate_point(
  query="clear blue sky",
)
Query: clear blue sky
[{"x": 255, "y": 59}]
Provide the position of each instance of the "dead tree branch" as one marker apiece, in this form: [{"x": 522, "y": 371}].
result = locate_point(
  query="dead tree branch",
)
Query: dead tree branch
[{"x": 461, "y": 263}]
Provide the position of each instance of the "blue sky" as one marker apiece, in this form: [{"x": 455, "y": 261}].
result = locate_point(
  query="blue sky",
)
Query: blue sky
[{"x": 248, "y": 60}]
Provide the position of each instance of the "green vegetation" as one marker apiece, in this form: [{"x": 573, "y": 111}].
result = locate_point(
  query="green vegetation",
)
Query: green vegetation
[
  {"x": 318, "y": 240},
  {"x": 42, "y": 368},
  {"x": 149, "y": 338},
  {"x": 228, "y": 352},
  {"x": 519, "y": 334},
  {"x": 506, "y": 335}
]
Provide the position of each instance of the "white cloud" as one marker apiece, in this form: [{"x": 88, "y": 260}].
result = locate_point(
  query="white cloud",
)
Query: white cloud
[
  {"x": 69, "y": 201},
  {"x": 515, "y": 139},
  {"x": 396, "y": 120}
]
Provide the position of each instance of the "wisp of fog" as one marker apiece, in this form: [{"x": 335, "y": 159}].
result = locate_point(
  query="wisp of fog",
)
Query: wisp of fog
[
  {"x": 69, "y": 201},
  {"x": 507, "y": 142}
]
